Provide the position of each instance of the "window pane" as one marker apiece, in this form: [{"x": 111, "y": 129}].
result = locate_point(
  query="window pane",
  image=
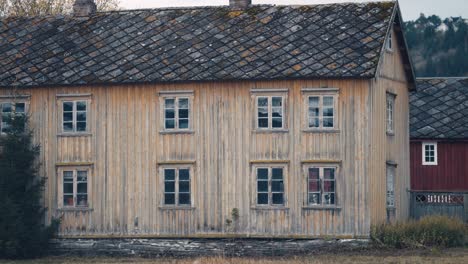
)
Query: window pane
[
  {"x": 68, "y": 187},
  {"x": 277, "y": 112},
  {"x": 67, "y": 116},
  {"x": 80, "y": 126},
  {"x": 262, "y": 198},
  {"x": 169, "y": 198},
  {"x": 314, "y": 198},
  {"x": 169, "y": 186},
  {"x": 314, "y": 173},
  {"x": 184, "y": 186},
  {"x": 262, "y": 112},
  {"x": 329, "y": 198},
  {"x": 67, "y": 106},
  {"x": 277, "y": 123},
  {"x": 183, "y": 123},
  {"x": 262, "y": 186},
  {"x": 169, "y": 103},
  {"x": 184, "y": 198},
  {"x": 170, "y": 113},
  {"x": 329, "y": 173},
  {"x": 81, "y": 106},
  {"x": 328, "y": 112},
  {"x": 327, "y": 122},
  {"x": 82, "y": 200},
  {"x": 170, "y": 123},
  {"x": 68, "y": 200},
  {"x": 329, "y": 186},
  {"x": 19, "y": 108},
  {"x": 82, "y": 187},
  {"x": 169, "y": 174},
  {"x": 183, "y": 113},
  {"x": 277, "y": 173},
  {"x": 184, "y": 174},
  {"x": 6, "y": 108},
  {"x": 277, "y": 198},
  {"x": 313, "y": 122},
  {"x": 183, "y": 103},
  {"x": 262, "y": 101},
  {"x": 81, "y": 116},
  {"x": 314, "y": 186},
  {"x": 327, "y": 101},
  {"x": 277, "y": 101},
  {"x": 277, "y": 186},
  {"x": 262, "y": 173},
  {"x": 263, "y": 122},
  {"x": 68, "y": 176},
  {"x": 67, "y": 126}
]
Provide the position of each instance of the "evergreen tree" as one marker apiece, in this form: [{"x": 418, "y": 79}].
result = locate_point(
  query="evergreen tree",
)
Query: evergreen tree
[{"x": 22, "y": 230}]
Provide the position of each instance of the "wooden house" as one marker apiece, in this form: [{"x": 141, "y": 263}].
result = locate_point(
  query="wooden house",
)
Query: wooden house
[
  {"x": 241, "y": 120},
  {"x": 439, "y": 146}
]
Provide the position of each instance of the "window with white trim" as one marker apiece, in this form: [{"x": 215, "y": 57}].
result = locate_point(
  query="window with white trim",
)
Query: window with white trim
[
  {"x": 389, "y": 44},
  {"x": 7, "y": 111},
  {"x": 176, "y": 113},
  {"x": 270, "y": 112},
  {"x": 390, "y": 186},
  {"x": 74, "y": 187},
  {"x": 75, "y": 116},
  {"x": 321, "y": 111},
  {"x": 270, "y": 185},
  {"x": 177, "y": 186},
  {"x": 390, "y": 113},
  {"x": 429, "y": 153},
  {"x": 321, "y": 185}
]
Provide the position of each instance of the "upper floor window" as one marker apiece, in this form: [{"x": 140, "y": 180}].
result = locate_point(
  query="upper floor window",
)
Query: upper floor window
[
  {"x": 74, "y": 192},
  {"x": 321, "y": 187},
  {"x": 75, "y": 116},
  {"x": 429, "y": 153},
  {"x": 389, "y": 43},
  {"x": 390, "y": 113},
  {"x": 177, "y": 186},
  {"x": 270, "y": 112},
  {"x": 7, "y": 111},
  {"x": 270, "y": 185},
  {"x": 321, "y": 111},
  {"x": 176, "y": 113}
]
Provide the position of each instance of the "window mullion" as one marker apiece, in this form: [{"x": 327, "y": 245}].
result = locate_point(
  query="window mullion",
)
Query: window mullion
[
  {"x": 270, "y": 194},
  {"x": 75, "y": 187},
  {"x": 320, "y": 111},
  {"x": 74, "y": 109},
  {"x": 176, "y": 187},
  {"x": 270, "y": 114}
]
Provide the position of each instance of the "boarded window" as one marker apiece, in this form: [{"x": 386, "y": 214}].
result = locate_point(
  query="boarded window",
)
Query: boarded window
[
  {"x": 270, "y": 112},
  {"x": 429, "y": 153},
  {"x": 390, "y": 186},
  {"x": 75, "y": 188},
  {"x": 176, "y": 113},
  {"x": 321, "y": 112},
  {"x": 270, "y": 186},
  {"x": 177, "y": 186},
  {"x": 321, "y": 187},
  {"x": 7, "y": 111},
  {"x": 74, "y": 116}
]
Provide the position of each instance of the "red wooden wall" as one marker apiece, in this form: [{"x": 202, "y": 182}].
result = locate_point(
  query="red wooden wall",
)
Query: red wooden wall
[{"x": 450, "y": 173}]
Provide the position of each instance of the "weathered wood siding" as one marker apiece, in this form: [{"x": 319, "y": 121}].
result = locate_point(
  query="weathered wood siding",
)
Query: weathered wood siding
[{"x": 384, "y": 148}]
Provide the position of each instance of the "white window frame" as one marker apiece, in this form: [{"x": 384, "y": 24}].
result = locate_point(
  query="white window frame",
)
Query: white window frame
[
  {"x": 269, "y": 167},
  {"x": 176, "y": 96},
  {"x": 176, "y": 112},
  {"x": 389, "y": 42},
  {"x": 74, "y": 112},
  {"x": 390, "y": 186},
  {"x": 177, "y": 168},
  {"x": 270, "y": 112},
  {"x": 61, "y": 194},
  {"x": 390, "y": 113},
  {"x": 321, "y": 181},
  {"x": 13, "y": 104},
  {"x": 424, "y": 162},
  {"x": 321, "y": 107}
]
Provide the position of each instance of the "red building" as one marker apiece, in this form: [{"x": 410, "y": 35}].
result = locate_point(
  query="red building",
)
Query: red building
[{"x": 439, "y": 147}]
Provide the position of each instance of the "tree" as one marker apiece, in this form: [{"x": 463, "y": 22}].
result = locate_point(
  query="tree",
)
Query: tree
[
  {"x": 22, "y": 8},
  {"x": 23, "y": 233}
]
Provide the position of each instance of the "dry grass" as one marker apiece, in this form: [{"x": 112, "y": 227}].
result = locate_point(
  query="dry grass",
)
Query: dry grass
[{"x": 380, "y": 257}]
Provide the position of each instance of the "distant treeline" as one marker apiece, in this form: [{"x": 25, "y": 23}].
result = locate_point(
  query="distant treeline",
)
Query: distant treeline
[{"x": 438, "y": 47}]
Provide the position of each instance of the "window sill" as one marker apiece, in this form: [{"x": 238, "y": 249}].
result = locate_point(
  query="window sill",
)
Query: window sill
[
  {"x": 269, "y": 207},
  {"x": 320, "y": 207},
  {"x": 282, "y": 130},
  {"x": 331, "y": 131},
  {"x": 75, "y": 209},
  {"x": 84, "y": 134},
  {"x": 166, "y": 132},
  {"x": 168, "y": 207}
]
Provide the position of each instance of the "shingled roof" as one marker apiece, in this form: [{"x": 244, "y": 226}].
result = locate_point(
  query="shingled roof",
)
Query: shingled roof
[
  {"x": 196, "y": 44},
  {"x": 439, "y": 109}
]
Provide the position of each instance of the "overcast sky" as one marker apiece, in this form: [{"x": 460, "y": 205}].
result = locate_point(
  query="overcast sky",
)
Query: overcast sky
[{"x": 410, "y": 8}]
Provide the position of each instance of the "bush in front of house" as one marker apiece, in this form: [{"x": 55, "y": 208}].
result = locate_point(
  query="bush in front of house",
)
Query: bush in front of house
[
  {"x": 22, "y": 230},
  {"x": 430, "y": 231}
]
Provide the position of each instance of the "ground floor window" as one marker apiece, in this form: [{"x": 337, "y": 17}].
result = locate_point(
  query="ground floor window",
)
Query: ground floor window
[
  {"x": 321, "y": 185},
  {"x": 270, "y": 185},
  {"x": 177, "y": 186},
  {"x": 74, "y": 187}
]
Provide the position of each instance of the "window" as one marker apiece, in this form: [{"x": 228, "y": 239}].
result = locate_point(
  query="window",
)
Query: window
[
  {"x": 75, "y": 187},
  {"x": 390, "y": 186},
  {"x": 321, "y": 111},
  {"x": 321, "y": 187},
  {"x": 270, "y": 112},
  {"x": 429, "y": 153},
  {"x": 177, "y": 186},
  {"x": 7, "y": 111},
  {"x": 270, "y": 185},
  {"x": 389, "y": 44},
  {"x": 176, "y": 113},
  {"x": 390, "y": 113},
  {"x": 75, "y": 116}
]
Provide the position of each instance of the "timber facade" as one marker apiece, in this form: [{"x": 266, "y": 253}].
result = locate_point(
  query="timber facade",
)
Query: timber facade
[{"x": 303, "y": 154}]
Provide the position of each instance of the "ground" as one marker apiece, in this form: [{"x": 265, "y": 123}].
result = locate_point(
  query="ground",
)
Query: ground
[{"x": 379, "y": 256}]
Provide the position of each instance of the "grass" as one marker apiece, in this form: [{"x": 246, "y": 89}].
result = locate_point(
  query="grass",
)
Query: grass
[{"x": 458, "y": 255}]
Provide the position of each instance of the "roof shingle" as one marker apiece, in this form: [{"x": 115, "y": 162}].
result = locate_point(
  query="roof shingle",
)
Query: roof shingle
[{"x": 195, "y": 44}]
